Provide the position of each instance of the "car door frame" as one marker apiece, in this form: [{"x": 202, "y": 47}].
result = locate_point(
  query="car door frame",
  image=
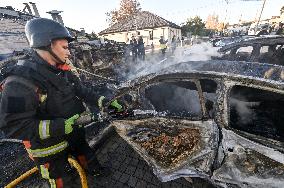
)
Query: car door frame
[{"x": 195, "y": 78}]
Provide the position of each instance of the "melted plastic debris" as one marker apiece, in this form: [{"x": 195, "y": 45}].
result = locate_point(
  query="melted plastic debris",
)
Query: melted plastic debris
[
  {"x": 247, "y": 167},
  {"x": 167, "y": 145},
  {"x": 249, "y": 163},
  {"x": 255, "y": 163}
]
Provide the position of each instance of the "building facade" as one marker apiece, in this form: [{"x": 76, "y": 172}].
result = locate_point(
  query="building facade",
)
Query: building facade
[{"x": 150, "y": 26}]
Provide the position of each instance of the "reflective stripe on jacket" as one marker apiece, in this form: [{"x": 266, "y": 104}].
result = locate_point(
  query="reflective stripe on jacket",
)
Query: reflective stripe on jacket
[{"x": 44, "y": 152}]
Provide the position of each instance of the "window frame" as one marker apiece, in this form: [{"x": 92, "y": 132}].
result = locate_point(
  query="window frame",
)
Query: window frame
[{"x": 256, "y": 138}]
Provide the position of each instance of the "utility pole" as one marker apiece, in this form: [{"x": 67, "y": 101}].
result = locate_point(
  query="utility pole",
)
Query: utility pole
[
  {"x": 226, "y": 14},
  {"x": 255, "y": 29}
]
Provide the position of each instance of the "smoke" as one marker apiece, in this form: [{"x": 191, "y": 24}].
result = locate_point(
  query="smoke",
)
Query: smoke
[
  {"x": 173, "y": 98},
  {"x": 186, "y": 100},
  {"x": 244, "y": 110},
  {"x": 156, "y": 62}
]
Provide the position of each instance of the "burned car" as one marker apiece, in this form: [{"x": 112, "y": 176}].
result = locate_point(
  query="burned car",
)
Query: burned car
[
  {"x": 217, "y": 120},
  {"x": 263, "y": 49}
]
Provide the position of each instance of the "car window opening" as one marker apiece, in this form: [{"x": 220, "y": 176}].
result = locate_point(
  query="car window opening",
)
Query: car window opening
[
  {"x": 176, "y": 98},
  {"x": 257, "y": 112}
]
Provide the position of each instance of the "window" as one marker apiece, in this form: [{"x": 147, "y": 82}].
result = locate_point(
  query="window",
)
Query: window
[
  {"x": 264, "y": 49},
  {"x": 257, "y": 111},
  {"x": 244, "y": 53},
  {"x": 178, "y": 98},
  {"x": 151, "y": 35},
  {"x": 245, "y": 49}
]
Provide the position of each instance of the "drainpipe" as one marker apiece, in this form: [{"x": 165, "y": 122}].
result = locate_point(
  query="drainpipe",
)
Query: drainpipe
[{"x": 35, "y": 9}]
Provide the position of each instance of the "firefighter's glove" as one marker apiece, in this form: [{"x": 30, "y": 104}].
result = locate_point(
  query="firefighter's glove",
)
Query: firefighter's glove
[
  {"x": 69, "y": 123},
  {"x": 107, "y": 105},
  {"x": 116, "y": 106}
]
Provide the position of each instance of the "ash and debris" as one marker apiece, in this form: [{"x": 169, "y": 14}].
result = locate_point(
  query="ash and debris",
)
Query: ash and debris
[{"x": 167, "y": 145}]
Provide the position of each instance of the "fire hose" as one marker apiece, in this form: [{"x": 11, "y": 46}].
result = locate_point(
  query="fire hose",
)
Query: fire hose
[
  {"x": 72, "y": 162},
  {"x": 82, "y": 70},
  {"x": 75, "y": 69},
  {"x": 84, "y": 120}
]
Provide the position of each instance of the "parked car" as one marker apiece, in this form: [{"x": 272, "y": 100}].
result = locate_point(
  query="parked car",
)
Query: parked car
[
  {"x": 223, "y": 41},
  {"x": 264, "y": 49},
  {"x": 262, "y": 29},
  {"x": 217, "y": 120}
]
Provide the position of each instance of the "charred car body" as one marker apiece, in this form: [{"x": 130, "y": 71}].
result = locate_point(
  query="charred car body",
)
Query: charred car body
[
  {"x": 218, "y": 120},
  {"x": 263, "y": 49}
]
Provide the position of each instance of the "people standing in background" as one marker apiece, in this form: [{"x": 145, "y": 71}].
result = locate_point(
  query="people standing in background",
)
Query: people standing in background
[
  {"x": 178, "y": 41},
  {"x": 173, "y": 44},
  {"x": 133, "y": 43},
  {"x": 141, "y": 49},
  {"x": 280, "y": 30},
  {"x": 182, "y": 39},
  {"x": 163, "y": 45},
  {"x": 152, "y": 48}
]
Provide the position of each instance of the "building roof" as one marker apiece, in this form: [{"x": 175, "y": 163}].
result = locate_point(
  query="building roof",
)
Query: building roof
[{"x": 143, "y": 20}]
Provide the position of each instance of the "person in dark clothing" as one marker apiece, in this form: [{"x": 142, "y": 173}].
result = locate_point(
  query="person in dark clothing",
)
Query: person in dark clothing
[
  {"x": 141, "y": 49},
  {"x": 133, "y": 43},
  {"x": 173, "y": 44},
  {"x": 280, "y": 30},
  {"x": 41, "y": 101},
  {"x": 263, "y": 32}
]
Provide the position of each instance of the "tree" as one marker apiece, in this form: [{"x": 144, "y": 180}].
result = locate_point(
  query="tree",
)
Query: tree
[
  {"x": 195, "y": 26},
  {"x": 212, "y": 22},
  {"x": 126, "y": 9},
  {"x": 282, "y": 10}
]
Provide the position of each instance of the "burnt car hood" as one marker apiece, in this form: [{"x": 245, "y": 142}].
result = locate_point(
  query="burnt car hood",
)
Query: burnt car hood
[
  {"x": 177, "y": 148},
  {"x": 172, "y": 147}
]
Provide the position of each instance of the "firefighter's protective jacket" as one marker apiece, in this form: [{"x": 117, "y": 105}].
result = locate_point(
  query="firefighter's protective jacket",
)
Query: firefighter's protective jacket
[{"x": 36, "y": 100}]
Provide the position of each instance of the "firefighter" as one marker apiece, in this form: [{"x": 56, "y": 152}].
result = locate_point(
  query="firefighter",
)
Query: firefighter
[{"x": 41, "y": 100}]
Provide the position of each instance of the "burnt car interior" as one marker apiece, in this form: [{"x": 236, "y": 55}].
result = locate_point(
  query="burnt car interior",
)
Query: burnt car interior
[
  {"x": 181, "y": 98},
  {"x": 258, "y": 112}
]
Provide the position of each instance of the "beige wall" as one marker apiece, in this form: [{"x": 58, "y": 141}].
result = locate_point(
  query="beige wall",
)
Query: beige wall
[{"x": 167, "y": 32}]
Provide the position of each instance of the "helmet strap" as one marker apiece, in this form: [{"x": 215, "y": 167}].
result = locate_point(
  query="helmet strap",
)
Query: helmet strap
[{"x": 48, "y": 48}]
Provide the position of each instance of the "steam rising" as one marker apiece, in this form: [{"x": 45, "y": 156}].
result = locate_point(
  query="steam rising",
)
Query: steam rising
[
  {"x": 155, "y": 63},
  {"x": 173, "y": 98}
]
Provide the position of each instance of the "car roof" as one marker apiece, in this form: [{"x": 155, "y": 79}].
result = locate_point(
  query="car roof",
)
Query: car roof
[
  {"x": 262, "y": 40},
  {"x": 260, "y": 72}
]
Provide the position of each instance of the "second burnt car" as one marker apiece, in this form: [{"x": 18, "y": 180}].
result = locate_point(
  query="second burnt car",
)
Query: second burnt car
[
  {"x": 263, "y": 49},
  {"x": 217, "y": 120}
]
